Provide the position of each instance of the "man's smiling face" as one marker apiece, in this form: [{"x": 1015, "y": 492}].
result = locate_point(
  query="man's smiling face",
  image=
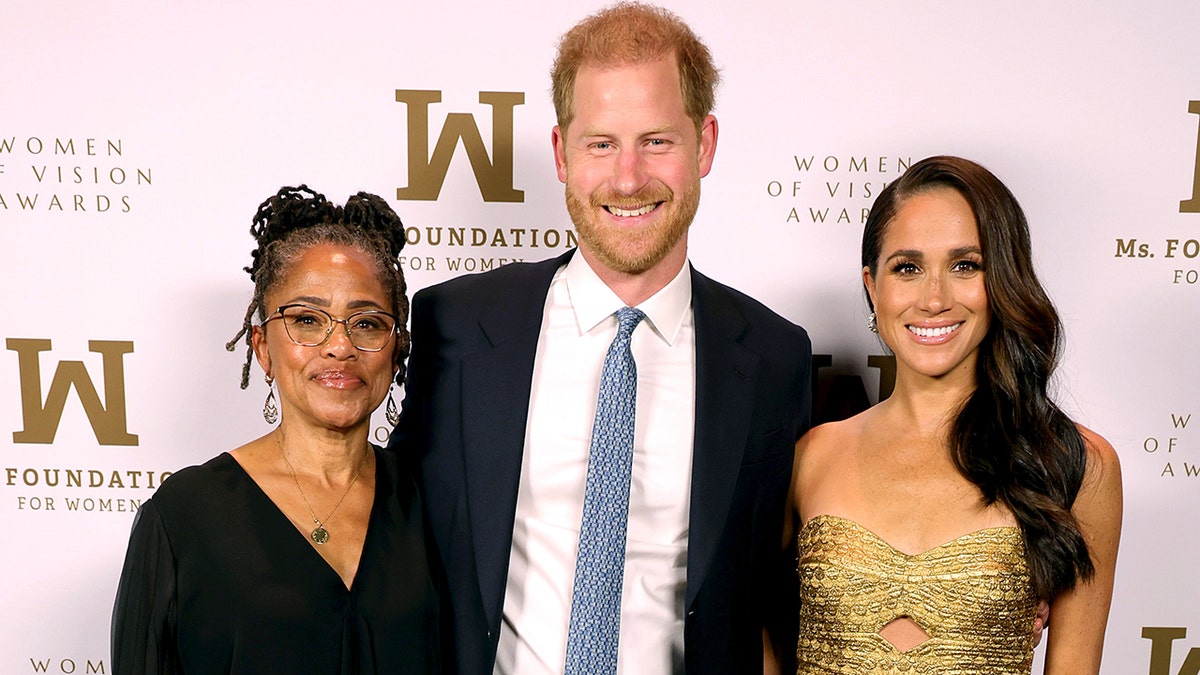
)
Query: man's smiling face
[{"x": 632, "y": 161}]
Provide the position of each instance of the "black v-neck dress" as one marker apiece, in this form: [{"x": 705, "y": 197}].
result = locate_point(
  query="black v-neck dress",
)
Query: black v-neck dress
[{"x": 218, "y": 580}]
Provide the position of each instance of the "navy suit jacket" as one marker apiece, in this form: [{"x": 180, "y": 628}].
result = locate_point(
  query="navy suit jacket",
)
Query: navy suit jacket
[{"x": 465, "y": 408}]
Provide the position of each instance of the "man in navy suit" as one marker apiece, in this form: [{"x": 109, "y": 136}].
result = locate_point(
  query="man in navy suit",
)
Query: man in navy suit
[{"x": 503, "y": 379}]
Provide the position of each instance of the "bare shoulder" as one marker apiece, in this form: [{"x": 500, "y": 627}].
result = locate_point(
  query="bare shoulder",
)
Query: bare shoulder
[
  {"x": 823, "y": 447},
  {"x": 829, "y": 437},
  {"x": 1100, "y": 501},
  {"x": 1103, "y": 463},
  {"x": 823, "y": 458}
]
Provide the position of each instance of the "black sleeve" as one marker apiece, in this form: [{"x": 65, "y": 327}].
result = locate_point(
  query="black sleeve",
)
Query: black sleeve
[
  {"x": 144, "y": 616},
  {"x": 783, "y": 618}
]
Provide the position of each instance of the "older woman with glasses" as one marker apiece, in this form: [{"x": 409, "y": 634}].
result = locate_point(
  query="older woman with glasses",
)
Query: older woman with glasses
[{"x": 302, "y": 551}]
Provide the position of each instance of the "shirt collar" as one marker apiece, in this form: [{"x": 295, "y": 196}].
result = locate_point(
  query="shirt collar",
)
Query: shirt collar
[{"x": 593, "y": 301}]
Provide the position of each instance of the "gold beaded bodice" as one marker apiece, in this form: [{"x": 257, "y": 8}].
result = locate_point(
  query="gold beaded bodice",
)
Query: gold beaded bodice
[{"x": 971, "y": 596}]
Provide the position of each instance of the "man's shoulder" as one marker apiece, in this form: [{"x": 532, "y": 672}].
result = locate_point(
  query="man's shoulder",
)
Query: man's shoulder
[
  {"x": 757, "y": 315},
  {"x": 485, "y": 287}
]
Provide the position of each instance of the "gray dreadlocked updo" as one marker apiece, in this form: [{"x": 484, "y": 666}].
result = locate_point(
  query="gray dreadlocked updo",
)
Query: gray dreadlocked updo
[{"x": 297, "y": 218}]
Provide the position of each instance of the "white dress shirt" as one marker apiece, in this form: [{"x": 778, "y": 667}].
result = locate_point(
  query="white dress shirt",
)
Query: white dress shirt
[{"x": 578, "y": 325}]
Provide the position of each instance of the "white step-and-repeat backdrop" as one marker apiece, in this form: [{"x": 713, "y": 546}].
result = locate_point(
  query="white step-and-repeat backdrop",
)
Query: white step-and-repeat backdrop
[{"x": 137, "y": 138}]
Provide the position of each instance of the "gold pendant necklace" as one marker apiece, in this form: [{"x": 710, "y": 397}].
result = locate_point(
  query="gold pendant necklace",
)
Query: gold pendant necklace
[{"x": 320, "y": 535}]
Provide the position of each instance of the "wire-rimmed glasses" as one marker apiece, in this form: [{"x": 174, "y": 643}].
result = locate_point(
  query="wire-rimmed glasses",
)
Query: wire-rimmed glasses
[{"x": 308, "y": 326}]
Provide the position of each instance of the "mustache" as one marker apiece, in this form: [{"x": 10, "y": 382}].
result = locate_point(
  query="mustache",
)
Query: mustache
[{"x": 650, "y": 194}]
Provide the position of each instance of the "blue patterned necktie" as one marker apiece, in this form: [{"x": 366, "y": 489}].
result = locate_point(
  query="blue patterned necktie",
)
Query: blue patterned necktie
[{"x": 600, "y": 567}]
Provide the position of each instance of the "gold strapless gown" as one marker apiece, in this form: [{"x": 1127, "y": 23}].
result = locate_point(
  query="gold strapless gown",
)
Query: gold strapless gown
[{"x": 971, "y": 596}]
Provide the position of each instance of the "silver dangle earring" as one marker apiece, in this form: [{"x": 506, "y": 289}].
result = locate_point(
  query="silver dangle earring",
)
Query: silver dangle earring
[
  {"x": 872, "y": 324},
  {"x": 393, "y": 415},
  {"x": 270, "y": 410}
]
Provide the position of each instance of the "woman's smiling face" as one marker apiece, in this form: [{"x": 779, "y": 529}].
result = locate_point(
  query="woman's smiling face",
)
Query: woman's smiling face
[
  {"x": 927, "y": 287},
  {"x": 333, "y": 385}
]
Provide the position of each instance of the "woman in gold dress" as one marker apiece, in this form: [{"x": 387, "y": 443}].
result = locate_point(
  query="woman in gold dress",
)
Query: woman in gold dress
[{"x": 931, "y": 525}]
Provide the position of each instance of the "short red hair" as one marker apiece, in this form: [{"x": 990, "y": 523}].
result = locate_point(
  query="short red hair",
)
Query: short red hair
[{"x": 631, "y": 33}]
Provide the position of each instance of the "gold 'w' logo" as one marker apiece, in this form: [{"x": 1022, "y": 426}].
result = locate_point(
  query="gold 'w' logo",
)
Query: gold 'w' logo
[
  {"x": 1193, "y": 205},
  {"x": 1161, "y": 640},
  {"x": 427, "y": 172},
  {"x": 41, "y": 419}
]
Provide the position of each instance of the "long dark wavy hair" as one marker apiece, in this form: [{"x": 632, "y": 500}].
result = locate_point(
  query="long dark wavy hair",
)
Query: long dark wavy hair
[
  {"x": 1009, "y": 438},
  {"x": 296, "y": 218}
]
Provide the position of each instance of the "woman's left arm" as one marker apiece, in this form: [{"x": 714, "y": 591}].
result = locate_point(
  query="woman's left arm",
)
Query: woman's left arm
[{"x": 1078, "y": 617}]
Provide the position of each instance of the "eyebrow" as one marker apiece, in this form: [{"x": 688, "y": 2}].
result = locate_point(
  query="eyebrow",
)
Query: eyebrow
[
  {"x": 905, "y": 253},
  {"x": 664, "y": 129},
  {"x": 308, "y": 300},
  {"x": 322, "y": 302},
  {"x": 917, "y": 254}
]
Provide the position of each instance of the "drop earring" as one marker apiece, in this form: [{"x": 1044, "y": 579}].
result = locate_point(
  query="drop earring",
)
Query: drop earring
[
  {"x": 270, "y": 410},
  {"x": 393, "y": 415},
  {"x": 873, "y": 324}
]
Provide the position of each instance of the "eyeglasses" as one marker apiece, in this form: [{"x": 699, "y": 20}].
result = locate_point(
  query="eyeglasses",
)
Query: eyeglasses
[{"x": 369, "y": 331}]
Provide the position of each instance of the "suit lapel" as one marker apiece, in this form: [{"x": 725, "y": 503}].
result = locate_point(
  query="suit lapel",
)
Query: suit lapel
[
  {"x": 496, "y": 383},
  {"x": 725, "y": 378}
]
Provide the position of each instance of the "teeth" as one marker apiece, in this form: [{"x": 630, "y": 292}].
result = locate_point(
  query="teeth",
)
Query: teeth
[
  {"x": 629, "y": 213},
  {"x": 933, "y": 332}
]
